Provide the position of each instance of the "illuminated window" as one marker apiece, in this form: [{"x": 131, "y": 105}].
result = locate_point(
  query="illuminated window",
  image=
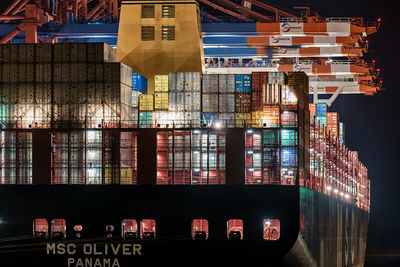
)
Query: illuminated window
[
  {"x": 147, "y": 11},
  {"x": 168, "y": 33},
  {"x": 235, "y": 229},
  {"x": 147, "y": 33},
  {"x": 147, "y": 229},
  {"x": 129, "y": 229},
  {"x": 271, "y": 229},
  {"x": 168, "y": 11},
  {"x": 200, "y": 229}
]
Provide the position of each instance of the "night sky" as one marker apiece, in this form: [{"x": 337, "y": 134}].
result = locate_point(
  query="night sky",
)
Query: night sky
[{"x": 371, "y": 122}]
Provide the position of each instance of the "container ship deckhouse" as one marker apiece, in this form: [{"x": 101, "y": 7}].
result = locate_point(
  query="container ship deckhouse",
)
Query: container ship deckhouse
[{"x": 168, "y": 151}]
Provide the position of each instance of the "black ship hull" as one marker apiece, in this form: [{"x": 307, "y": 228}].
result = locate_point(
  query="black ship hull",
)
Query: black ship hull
[{"x": 315, "y": 229}]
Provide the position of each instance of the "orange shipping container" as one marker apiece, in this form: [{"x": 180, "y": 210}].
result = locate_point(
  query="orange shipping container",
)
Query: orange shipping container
[
  {"x": 312, "y": 109},
  {"x": 332, "y": 118}
]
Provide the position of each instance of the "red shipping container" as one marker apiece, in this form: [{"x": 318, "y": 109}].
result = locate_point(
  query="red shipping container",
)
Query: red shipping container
[
  {"x": 256, "y": 101},
  {"x": 242, "y": 103}
]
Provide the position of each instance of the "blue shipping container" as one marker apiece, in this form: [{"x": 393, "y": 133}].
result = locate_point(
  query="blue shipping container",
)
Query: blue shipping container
[
  {"x": 243, "y": 83},
  {"x": 139, "y": 83},
  {"x": 321, "y": 109},
  {"x": 289, "y": 156}
]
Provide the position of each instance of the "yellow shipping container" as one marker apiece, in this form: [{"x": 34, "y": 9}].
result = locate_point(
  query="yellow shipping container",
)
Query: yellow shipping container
[
  {"x": 146, "y": 102},
  {"x": 161, "y": 101},
  {"x": 257, "y": 119},
  {"x": 161, "y": 83},
  {"x": 242, "y": 119}
]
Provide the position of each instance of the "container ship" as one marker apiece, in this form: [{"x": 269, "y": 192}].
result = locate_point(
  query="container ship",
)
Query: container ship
[{"x": 195, "y": 142}]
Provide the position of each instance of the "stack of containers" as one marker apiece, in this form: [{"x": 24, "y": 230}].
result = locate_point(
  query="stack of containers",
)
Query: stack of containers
[
  {"x": 332, "y": 124},
  {"x": 341, "y": 133},
  {"x": 192, "y": 100},
  {"x": 226, "y": 99},
  {"x": 258, "y": 82},
  {"x": 160, "y": 114},
  {"x": 243, "y": 84},
  {"x": 176, "y": 97},
  {"x": 139, "y": 86},
  {"x": 320, "y": 111},
  {"x": 312, "y": 109},
  {"x": 209, "y": 99},
  {"x": 146, "y": 107}
]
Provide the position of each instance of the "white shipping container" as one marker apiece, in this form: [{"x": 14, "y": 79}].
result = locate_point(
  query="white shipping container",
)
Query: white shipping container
[
  {"x": 135, "y": 98},
  {"x": 166, "y": 119},
  {"x": 192, "y": 101},
  {"x": 192, "y": 81},
  {"x": 271, "y": 93},
  {"x": 180, "y": 81},
  {"x": 192, "y": 119},
  {"x": 277, "y": 77},
  {"x": 226, "y": 83},
  {"x": 210, "y": 83},
  {"x": 210, "y": 103},
  {"x": 227, "y": 119},
  {"x": 226, "y": 103},
  {"x": 175, "y": 101}
]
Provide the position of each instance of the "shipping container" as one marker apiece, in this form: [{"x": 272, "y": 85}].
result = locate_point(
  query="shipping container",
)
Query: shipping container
[
  {"x": 146, "y": 102},
  {"x": 321, "y": 109},
  {"x": 139, "y": 83},
  {"x": 192, "y": 81},
  {"x": 209, "y": 119},
  {"x": 210, "y": 84},
  {"x": 321, "y": 120},
  {"x": 192, "y": 101},
  {"x": 288, "y": 96},
  {"x": 299, "y": 79},
  {"x": 226, "y": 102},
  {"x": 43, "y": 53},
  {"x": 161, "y": 101},
  {"x": 242, "y": 102},
  {"x": 332, "y": 118},
  {"x": 257, "y": 100},
  {"x": 226, "y": 83},
  {"x": 243, "y": 83},
  {"x": 166, "y": 119},
  {"x": 277, "y": 78},
  {"x": 312, "y": 108},
  {"x": 270, "y": 116},
  {"x": 242, "y": 120},
  {"x": 161, "y": 83},
  {"x": 145, "y": 119},
  {"x": 272, "y": 93},
  {"x": 176, "y": 101},
  {"x": 135, "y": 98},
  {"x": 100, "y": 52},
  {"x": 209, "y": 103},
  {"x": 117, "y": 73},
  {"x": 227, "y": 119},
  {"x": 44, "y": 72},
  {"x": 192, "y": 119},
  {"x": 288, "y": 119}
]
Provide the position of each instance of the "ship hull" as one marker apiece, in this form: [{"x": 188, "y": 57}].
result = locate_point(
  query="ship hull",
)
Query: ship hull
[{"x": 314, "y": 229}]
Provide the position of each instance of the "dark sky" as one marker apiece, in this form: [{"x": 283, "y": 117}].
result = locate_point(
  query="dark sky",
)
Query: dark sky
[{"x": 372, "y": 123}]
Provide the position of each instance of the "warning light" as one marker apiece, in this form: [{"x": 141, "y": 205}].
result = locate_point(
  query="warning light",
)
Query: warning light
[
  {"x": 380, "y": 81},
  {"x": 379, "y": 20},
  {"x": 373, "y": 61},
  {"x": 378, "y": 70},
  {"x": 367, "y": 41}
]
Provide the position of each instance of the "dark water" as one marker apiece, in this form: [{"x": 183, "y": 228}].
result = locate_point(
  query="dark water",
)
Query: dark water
[{"x": 382, "y": 262}]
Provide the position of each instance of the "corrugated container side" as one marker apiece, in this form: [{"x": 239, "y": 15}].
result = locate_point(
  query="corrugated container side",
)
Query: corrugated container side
[
  {"x": 145, "y": 119},
  {"x": 332, "y": 118},
  {"x": 271, "y": 116},
  {"x": 242, "y": 102},
  {"x": 26, "y": 53},
  {"x": 192, "y": 81},
  {"x": 312, "y": 109},
  {"x": 272, "y": 93},
  {"x": 161, "y": 83},
  {"x": 176, "y": 101},
  {"x": 146, "y": 102},
  {"x": 243, "y": 83},
  {"x": 180, "y": 81},
  {"x": 209, "y": 103},
  {"x": 227, "y": 119},
  {"x": 43, "y": 53},
  {"x": 321, "y": 120},
  {"x": 100, "y": 52},
  {"x": 192, "y": 119},
  {"x": 172, "y": 81},
  {"x": 289, "y": 119},
  {"x": 242, "y": 120},
  {"x": 277, "y": 78},
  {"x": 321, "y": 109},
  {"x": 192, "y": 101},
  {"x": 135, "y": 98},
  {"x": 139, "y": 83},
  {"x": 161, "y": 101},
  {"x": 226, "y": 103},
  {"x": 210, "y": 83}
]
